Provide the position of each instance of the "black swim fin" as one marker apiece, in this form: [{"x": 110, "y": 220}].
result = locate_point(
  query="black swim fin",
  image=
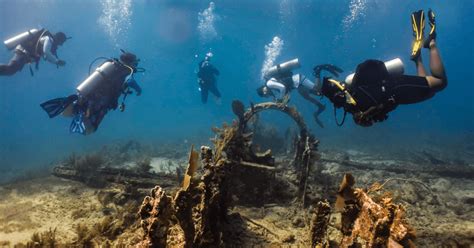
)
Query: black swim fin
[
  {"x": 432, "y": 35},
  {"x": 55, "y": 107},
  {"x": 334, "y": 70},
  {"x": 418, "y": 24}
]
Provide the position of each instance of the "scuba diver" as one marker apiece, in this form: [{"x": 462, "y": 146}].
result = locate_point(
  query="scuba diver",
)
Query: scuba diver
[
  {"x": 280, "y": 80},
  {"x": 29, "y": 47},
  {"x": 377, "y": 88},
  {"x": 207, "y": 79},
  {"x": 98, "y": 94}
]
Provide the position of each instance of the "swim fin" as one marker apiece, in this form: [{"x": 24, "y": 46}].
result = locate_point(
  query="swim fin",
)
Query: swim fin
[
  {"x": 432, "y": 35},
  {"x": 334, "y": 70},
  {"x": 55, "y": 107},
  {"x": 418, "y": 24},
  {"x": 77, "y": 124}
]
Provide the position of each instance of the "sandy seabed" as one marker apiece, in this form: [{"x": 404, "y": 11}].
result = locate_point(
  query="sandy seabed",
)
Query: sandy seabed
[{"x": 441, "y": 209}]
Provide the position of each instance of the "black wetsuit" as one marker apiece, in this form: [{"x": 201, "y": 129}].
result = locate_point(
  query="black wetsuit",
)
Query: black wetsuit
[
  {"x": 207, "y": 75},
  {"x": 106, "y": 96},
  {"x": 372, "y": 86},
  {"x": 17, "y": 62}
]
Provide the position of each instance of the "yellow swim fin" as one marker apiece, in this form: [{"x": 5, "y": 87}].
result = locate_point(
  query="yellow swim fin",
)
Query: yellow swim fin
[{"x": 418, "y": 24}]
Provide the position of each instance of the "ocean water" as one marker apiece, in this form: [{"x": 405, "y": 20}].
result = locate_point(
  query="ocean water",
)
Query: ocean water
[{"x": 172, "y": 36}]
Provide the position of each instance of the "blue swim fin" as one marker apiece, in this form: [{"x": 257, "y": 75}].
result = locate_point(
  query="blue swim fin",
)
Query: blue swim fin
[
  {"x": 77, "y": 124},
  {"x": 55, "y": 107}
]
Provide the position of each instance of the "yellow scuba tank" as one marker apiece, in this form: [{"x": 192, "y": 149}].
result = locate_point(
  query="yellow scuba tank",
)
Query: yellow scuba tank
[
  {"x": 394, "y": 67},
  {"x": 101, "y": 74},
  {"x": 283, "y": 67},
  {"x": 18, "y": 39}
]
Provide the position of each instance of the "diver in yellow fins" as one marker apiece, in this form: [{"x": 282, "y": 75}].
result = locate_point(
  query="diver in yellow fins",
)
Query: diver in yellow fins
[{"x": 377, "y": 88}]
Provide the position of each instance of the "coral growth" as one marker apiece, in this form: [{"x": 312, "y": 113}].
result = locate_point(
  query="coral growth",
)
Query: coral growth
[
  {"x": 157, "y": 214},
  {"x": 43, "y": 239},
  {"x": 201, "y": 209},
  {"x": 319, "y": 224}
]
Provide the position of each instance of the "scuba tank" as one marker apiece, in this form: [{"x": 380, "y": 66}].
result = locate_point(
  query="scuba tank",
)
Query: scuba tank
[
  {"x": 283, "y": 67},
  {"x": 104, "y": 72},
  {"x": 19, "y": 39},
  {"x": 394, "y": 67}
]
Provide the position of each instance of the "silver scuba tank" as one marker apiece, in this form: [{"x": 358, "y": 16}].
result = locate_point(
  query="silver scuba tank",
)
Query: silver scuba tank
[
  {"x": 283, "y": 67},
  {"x": 106, "y": 70},
  {"x": 394, "y": 67},
  {"x": 18, "y": 39}
]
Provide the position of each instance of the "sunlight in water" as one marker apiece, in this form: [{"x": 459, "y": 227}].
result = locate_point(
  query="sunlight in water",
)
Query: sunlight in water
[
  {"x": 115, "y": 18},
  {"x": 272, "y": 51},
  {"x": 207, "y": 19}
]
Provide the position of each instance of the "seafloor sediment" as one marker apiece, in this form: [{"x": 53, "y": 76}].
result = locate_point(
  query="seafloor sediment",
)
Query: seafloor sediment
[
  {"x": 440, "y": 209},
  {"x": 98, "y": 203}
]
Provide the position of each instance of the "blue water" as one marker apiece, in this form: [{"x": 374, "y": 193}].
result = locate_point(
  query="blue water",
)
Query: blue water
[{"x": 165, "y": 35}]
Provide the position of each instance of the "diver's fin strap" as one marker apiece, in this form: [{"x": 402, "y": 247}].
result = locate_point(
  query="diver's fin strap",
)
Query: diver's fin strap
[{"x": 349, "y": 99}]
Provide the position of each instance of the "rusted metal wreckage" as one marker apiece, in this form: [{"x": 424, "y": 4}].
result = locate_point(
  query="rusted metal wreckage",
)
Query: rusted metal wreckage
[{"x": 199, "y": 207}]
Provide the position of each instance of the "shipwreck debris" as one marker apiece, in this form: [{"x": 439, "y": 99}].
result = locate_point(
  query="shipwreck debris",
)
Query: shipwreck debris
[
  {"x": 156, "y": 213},
  {"x": 319, "y": 225},
  {"x": 200, "y": 207},
  {"x": 373, "y": 223}
]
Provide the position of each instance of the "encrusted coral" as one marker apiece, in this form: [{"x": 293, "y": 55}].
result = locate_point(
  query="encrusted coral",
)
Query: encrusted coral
[
  {"x": 372, "y": 223},
  {"x": 157, "y": 214},
  {"x": 201, "y": 209},
  {"x": 319, "y": 224}
]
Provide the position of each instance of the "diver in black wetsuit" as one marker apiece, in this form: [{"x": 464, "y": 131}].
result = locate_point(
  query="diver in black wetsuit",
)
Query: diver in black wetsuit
[
  {"x": 374, "y": 91},
  {"x": 98, "y": 94},
  {"x": 30, "y": 47},
  {"x": 207, "y": 79}
]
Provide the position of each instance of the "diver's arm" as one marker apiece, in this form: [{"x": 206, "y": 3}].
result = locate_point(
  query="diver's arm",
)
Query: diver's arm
[
  {"x": 134, "y": 85},
  {"x": 273, "y": 84},
  {"x": 47, "y": 54}
]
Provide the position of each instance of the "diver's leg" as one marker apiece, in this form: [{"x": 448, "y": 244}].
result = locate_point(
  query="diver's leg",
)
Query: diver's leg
[
  {"x": 437, "y": 80},
  {"x": 420, "y": 68},
  {"x": 213, "y": 89},
  {"x": 15, "y": 64},
  {"x": 306, "y": 95},
  {"x": 204, "y": 94}
]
